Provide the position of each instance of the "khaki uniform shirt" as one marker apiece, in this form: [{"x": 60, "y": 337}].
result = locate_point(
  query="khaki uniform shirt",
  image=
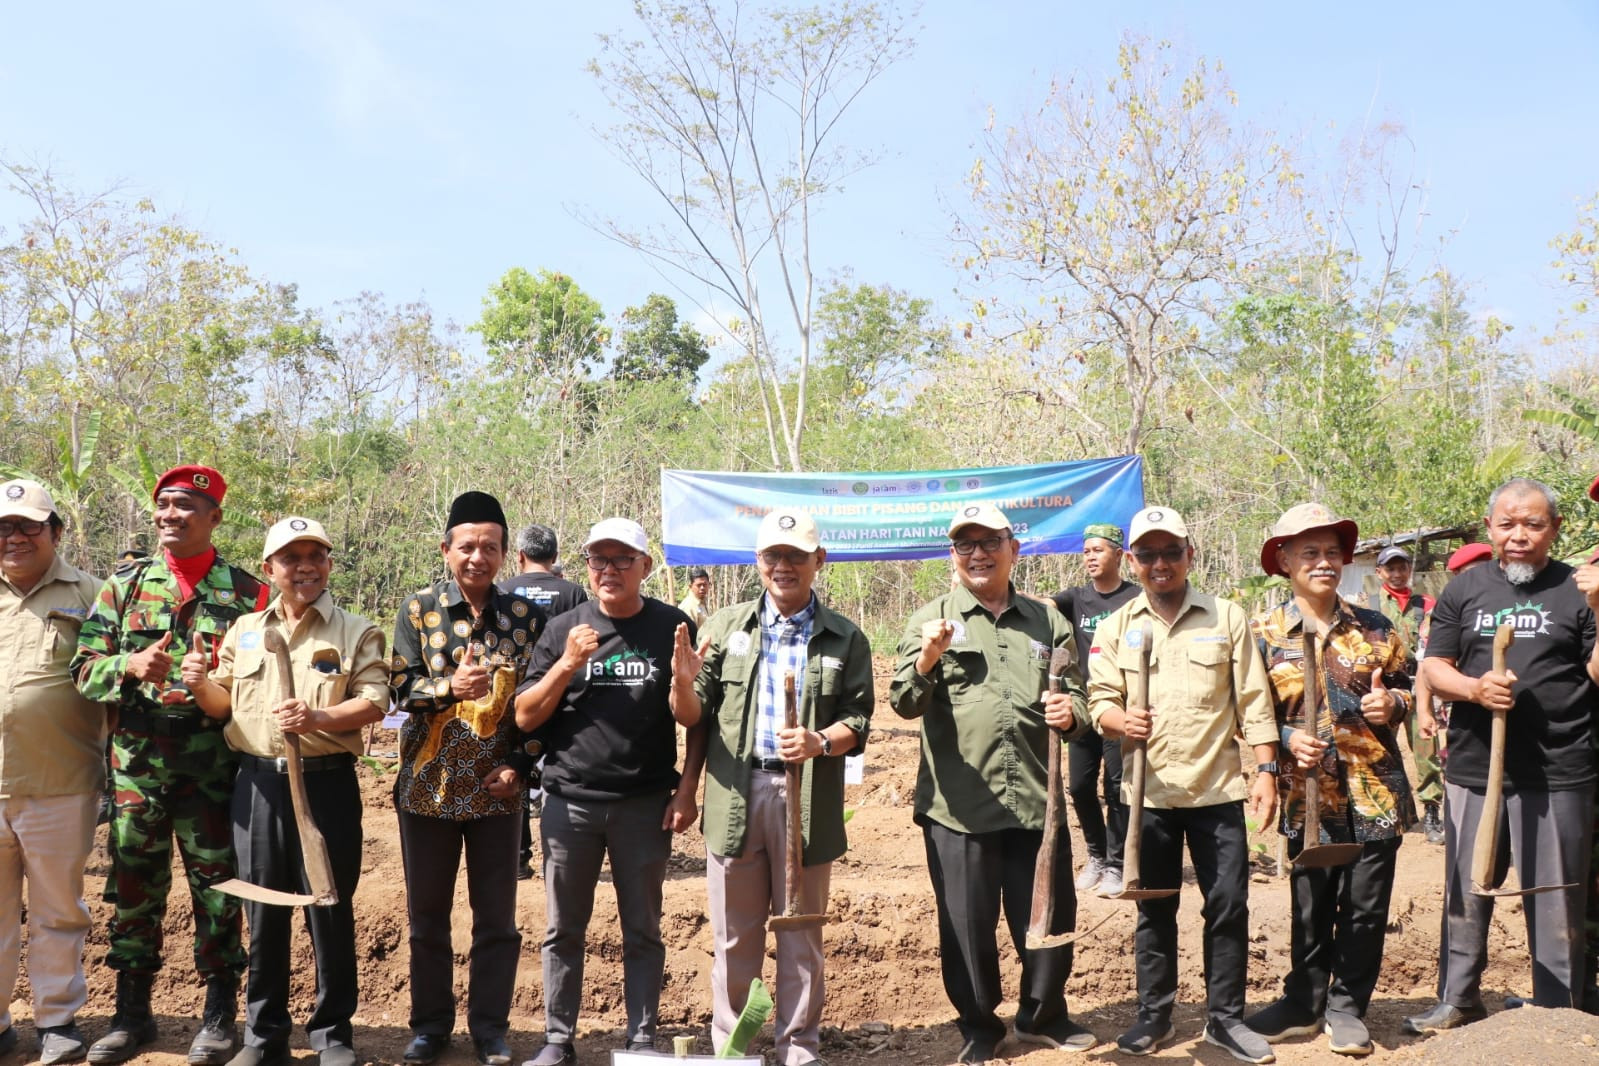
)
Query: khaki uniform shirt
[
  {"x": 52, "y": 740},
  {"x": 985, "y": 747},
  {"x": 1207, "y": 683},
  {"x": 335, "y": 656}
]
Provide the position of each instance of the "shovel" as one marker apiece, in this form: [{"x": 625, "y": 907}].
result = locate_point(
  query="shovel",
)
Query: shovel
[
  {"x": 1487, "y": 877},
  {"x": 314, "y": 850},
  {"x": 1315, "y": 855},
  {"x": 791, "y": 918},
  {"x": 1132, "y": 852},
  {"x": 1043, "y": 915}
]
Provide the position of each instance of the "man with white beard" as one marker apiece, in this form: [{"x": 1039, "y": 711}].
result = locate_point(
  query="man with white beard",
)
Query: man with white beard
[{"x": 1549, "y": 689}]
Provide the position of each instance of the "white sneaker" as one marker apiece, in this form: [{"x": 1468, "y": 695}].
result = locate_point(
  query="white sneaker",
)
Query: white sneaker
[
  {"x": 1111, "y": 883},
  {"x": 1089, "y": 879}
]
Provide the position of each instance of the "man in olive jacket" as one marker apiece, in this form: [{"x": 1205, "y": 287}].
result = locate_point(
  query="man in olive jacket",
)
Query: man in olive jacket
[{"x": 746, "y": 651}]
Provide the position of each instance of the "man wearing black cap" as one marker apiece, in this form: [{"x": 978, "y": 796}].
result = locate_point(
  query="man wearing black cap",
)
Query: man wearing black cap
[
  {"x": 172, "y": 773},
  {"x": 459, "y": 647},
  {"x": 1408, "y": 611}
]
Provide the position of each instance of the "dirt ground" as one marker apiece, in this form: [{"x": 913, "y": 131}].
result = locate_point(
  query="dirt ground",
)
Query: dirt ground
[{"x": 885, "y": 1000}]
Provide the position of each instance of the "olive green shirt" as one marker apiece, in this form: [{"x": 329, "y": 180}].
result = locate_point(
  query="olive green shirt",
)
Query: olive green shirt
[
  {"x": 52, "y": 739},
  {"x": 985, "y": 747},
  {"x": 837, "y": 687},
  {"x": 1207, "y": 685}
]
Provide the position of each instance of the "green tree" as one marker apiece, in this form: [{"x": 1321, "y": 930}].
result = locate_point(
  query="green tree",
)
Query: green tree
[
  {"x": 731, "y": 116},
  {"x": 875, "y": 339},
  {"x": 652, "y": 344},
  {"x": 541, "y": 326}
]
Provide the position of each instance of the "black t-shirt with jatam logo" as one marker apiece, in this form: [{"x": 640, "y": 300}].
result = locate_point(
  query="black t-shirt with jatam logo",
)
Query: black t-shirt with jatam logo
[
  {"x": 1085, "y": 607},
  {"x": 612, "y": 735},
  {"x": 1548, "y": 733}
]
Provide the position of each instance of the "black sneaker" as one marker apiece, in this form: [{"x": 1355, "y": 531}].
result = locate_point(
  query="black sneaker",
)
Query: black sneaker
[
  {"x": 1283, "y": 1019},
  {"x": 1442, "y": 1016},
  {"x": 1063, "y": 1034},
  {"x": 1347, "y": 1034},
  {"x": 1145, "y": 1037},
  {"x": 977, "y": 1049},
  {"x": 1239, "y": 1041}
]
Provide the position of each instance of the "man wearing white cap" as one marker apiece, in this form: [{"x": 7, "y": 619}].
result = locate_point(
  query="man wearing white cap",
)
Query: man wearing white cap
[
  {"x": 973, "y": 666},
  {"x": 340, "y": 679},
  {"x": 601, "y": 688},
  {"x": 747, "y": 650},
  {"x": 52, "y": 770},
  {"x": 1207, "y": 684}
]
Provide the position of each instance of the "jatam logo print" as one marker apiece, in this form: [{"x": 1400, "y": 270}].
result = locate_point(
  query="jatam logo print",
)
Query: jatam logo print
[
  {"x": 628, "y": 668},
  {"x": 1530, "y": 620}
]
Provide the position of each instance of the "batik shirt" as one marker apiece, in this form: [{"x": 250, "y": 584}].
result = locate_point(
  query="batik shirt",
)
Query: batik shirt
[
  {"x": 448, "y": 746},
  {"x": 1365, "y": 794}
]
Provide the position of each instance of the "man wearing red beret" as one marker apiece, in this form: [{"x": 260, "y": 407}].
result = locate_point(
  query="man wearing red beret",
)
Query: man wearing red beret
[{"x": 172, "y": 772}]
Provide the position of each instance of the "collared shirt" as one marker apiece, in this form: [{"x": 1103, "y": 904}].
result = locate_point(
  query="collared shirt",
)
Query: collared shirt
[
  {"x": 985, "y": 747},
  {"x": 783, "y": 644},
  {"x": 52, "y": 739},
  {"x": 140, "y": 604},
  {"x": 1207, "y": 684},
  {"x": 449, "y": 746},
  {"x": 1365, "y": 794},
  {"x": 837, "y": 688},
  {"x": 333, "y": 656},
  {"x": 694, "y": 608}
]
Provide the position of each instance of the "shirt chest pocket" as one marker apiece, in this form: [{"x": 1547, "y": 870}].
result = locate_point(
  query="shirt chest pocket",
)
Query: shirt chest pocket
[
  {"x": 1209, "y": 673},
  {"x": 327, "y": 682},
  {"x": 58, "y": 640}
]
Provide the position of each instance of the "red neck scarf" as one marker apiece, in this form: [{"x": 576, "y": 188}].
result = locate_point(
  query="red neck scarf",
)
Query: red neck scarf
[
  {"x": 191, "y": 571},
  {"x": 1401, "y": 596}
]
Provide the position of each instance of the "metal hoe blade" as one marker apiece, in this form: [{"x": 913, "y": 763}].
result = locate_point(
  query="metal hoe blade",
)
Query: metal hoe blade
[{"x": 257, "y": 894}]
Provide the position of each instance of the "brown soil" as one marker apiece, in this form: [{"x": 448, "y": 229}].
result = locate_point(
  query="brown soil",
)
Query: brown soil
[{"x": 885, "y": 998}]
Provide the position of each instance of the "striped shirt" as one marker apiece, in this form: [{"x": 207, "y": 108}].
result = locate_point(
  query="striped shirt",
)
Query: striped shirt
[{"x": 783, "y": 644}]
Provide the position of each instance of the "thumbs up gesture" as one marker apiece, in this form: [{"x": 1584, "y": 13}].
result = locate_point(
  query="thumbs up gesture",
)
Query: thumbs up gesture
[
  {"x": 152, "y": 664},
  {"x": 197, "y": 664},
  {"x": 1380, "y": 704},
  {"x": 471, "y": 680}
]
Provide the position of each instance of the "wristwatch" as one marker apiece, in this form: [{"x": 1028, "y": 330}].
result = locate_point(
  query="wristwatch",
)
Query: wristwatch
[
  {"x": 827, "y": 742},
  {"x": 1267, "y": 768}
]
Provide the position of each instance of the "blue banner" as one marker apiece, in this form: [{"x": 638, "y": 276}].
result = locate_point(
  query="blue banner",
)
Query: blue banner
[{"x": 711, "y": 517}]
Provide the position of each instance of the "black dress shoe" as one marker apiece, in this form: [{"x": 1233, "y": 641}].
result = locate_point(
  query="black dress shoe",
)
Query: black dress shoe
[
  {"x": 493, "y": 1051},
  {"x": 977, "y": 1049},
  {"x": 425, "y": 1048}
]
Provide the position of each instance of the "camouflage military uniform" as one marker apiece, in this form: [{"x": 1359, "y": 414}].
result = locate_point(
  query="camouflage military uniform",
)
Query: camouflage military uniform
[{"x": 172, "y": 772}]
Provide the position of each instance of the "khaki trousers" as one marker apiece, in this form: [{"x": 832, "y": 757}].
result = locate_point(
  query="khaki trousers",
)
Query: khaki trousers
[
  {"x": 45, "y": 840},
  {"x": 743, "y": 892}
]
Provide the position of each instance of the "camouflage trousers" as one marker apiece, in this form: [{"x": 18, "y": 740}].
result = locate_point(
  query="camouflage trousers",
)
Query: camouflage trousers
[
  {"x": 1429, "y": 770},
  {"x": 166, "y": 787}
]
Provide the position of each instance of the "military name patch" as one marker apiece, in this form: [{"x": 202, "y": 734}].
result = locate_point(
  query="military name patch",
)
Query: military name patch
[{"x": 832, "y": 662}]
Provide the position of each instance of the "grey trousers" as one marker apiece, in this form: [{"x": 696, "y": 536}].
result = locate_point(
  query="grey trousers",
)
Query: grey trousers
[
  {"x": 1550, "y": 839},
  {"x": 577, "y": 836}
]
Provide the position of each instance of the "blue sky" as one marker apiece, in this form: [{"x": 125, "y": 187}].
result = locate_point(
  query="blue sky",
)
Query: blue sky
[{"x": 422, "y": 149}]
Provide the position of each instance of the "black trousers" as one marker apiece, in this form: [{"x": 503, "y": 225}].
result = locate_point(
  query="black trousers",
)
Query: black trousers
[
  {"x": 267, "y": 843},
  {"x": 975, "y": 876},
  {"x": 1085, "y": 755},
  {"x": 1218, "y": 844},
  {"x": 1339, "y": 921},
  {"x": 431, "y": 851}
]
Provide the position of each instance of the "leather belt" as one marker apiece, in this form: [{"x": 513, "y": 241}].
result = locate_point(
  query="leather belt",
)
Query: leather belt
[
  {"x": 768, "y": 766},
  {"x": 309, "y": 763},
  {"x": 166, "y": 725}
]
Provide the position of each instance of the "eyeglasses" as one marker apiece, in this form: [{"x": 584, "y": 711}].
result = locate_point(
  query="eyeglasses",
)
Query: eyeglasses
[
  {"x": 23, "y": 526},
  {"x": 598, "y": 563},
  {"x": 771, "y": 557},
  {"x": 990, "y": 545},
  {"x": 1174, "y": 554}
]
